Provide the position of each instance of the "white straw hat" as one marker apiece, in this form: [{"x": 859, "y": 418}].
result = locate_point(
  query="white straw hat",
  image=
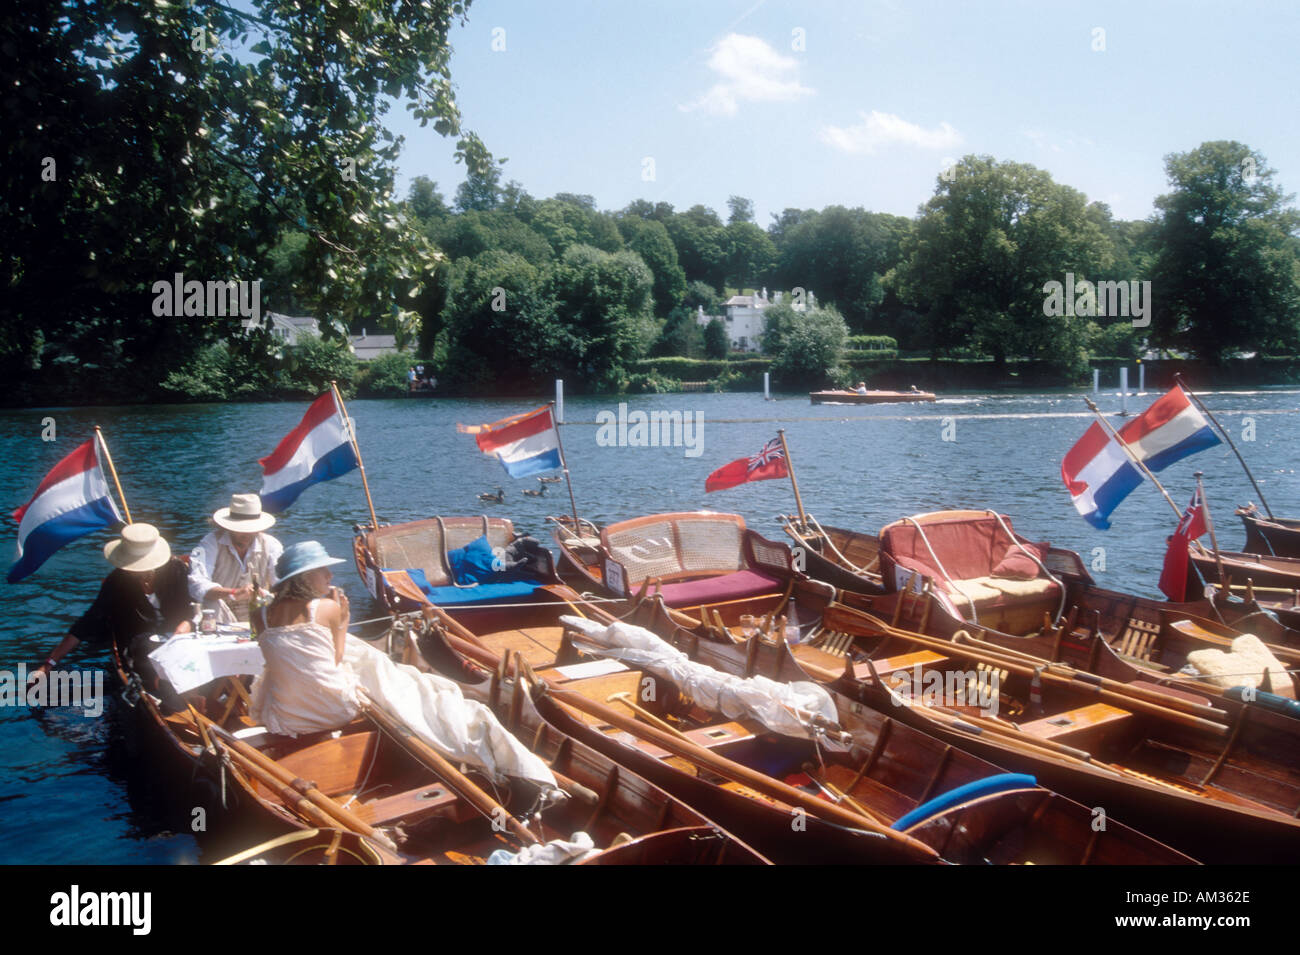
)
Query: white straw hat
[
  {"x": 139, "y": 548},
  {"x": 244, "y": 515}
]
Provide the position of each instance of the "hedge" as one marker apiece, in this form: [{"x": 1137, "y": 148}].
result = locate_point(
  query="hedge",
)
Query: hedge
[{"x": 874, "y": 343}]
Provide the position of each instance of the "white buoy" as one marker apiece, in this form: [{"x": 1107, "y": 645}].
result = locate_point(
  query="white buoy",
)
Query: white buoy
[
  {"x": 767, "y": 386},
  {"x": 559, "y": 401},
  {"x": 1142, "y": 379},
  {"x": 1123, "y": 391},
  {"x": 1096, "y": 380}
]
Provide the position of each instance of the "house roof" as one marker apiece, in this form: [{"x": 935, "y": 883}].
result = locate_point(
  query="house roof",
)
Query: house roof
[
  {"x": 372, "y": 346},
  {"x": 741, "y": 300}
]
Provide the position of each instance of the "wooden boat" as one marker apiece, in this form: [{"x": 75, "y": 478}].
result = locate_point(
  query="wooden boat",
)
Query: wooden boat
[
  {"x": 1275, "y": 536},
  {"x": 1225, "y": 788},
  {"x": 868, "y": 398},
  {"x": 689, "y": 560},
  {"x": 397, "y": 801},
  {"x": 1219, "y": 786},
  {"x": 1260, "y": 570},
  {"x": 1115, "y": 635},
  {"x": 406, "y": 566},
  {"x": 883, "y": 780}
]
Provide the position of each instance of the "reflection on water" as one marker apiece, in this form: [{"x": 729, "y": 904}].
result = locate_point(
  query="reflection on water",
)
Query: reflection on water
[{"x": 79, "y": 790}]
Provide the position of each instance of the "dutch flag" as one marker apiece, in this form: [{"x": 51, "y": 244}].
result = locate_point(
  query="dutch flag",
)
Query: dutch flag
[
  {"x": 72, "y": 501},
  {"x": 525, "y": 444},
  {"x": 1099, "y": 473},
  {"x": 319, "y": 449}
]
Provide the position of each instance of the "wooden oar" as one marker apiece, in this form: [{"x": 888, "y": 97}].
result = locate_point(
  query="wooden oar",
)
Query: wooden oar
[
  {"x": 457, "y": 781},
  {"x": 292, "y": 790},
  {"x": 1075, "y": 675},
  {"x": 1122, "y": 699}
]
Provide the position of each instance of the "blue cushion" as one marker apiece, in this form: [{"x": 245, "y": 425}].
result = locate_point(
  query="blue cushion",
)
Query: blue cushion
[
  {"x": 472, "y": 564},
  {"x": 451, "y": 596}
]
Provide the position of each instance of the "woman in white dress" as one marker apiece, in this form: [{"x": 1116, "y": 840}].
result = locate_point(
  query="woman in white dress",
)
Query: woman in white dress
[{"x": 305, "y": 687}]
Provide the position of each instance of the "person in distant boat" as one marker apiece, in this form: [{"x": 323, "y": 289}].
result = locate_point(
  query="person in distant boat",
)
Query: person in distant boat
[
  {"x": 914, "y": 390},
  {"x": 229, "y": 559},
  {"x": 861, "y": 388},
  {"x": 145, "y": 594},
  {"x": 305, "y": 687}
]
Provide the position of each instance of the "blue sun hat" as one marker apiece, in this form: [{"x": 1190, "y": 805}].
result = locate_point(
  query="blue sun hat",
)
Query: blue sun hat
[{"x": 301, "y": 557}]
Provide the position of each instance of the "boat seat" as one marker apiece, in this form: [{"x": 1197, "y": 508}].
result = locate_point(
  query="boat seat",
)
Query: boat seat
[
  {"x": 408, "y": 806},
  {"x": 1079, "y": 725},
  {"x": 710, "y": 590},
  {"x": 903, "y": 661}
]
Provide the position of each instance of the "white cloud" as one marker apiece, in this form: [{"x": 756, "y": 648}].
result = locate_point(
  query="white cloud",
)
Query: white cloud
[
  {"x": 885, "y": 129},
  {"x": 749, "y": 70}
]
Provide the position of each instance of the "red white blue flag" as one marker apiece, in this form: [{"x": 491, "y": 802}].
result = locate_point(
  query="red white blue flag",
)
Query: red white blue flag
[
  {"x": 1099, "y": 473},
  {"x": 525, "y": 444},
  {"x": 70, "y": 502},
  {"x": 319, "y": 449},
  {"x": 767, "y": 464}
]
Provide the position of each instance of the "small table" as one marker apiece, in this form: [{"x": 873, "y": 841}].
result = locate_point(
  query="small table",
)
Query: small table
[{"x": 189, "y": 660}]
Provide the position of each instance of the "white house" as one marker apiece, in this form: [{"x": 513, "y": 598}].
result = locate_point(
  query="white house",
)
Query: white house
[
  {"x": 743, "y": 316},
  {"x": 289, "y": 329}
]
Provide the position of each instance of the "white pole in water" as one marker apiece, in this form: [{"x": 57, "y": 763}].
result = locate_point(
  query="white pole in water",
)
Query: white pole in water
[
  {"x": 1123, "y": 391},
  {"x": 1096, "y": 380},
  {"x": 559, "y": 401},
  {"x": 767, "y": 386},
  {"x": 1142, "y": 378}
]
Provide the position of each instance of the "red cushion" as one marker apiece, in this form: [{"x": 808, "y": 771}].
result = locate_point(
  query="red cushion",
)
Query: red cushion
[
  {"x": 1018, "y": 565},
  {"x": 743, "y": 583}
]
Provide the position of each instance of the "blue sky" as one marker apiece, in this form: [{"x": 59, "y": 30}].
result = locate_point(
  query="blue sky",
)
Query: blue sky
[{"x": 860, "y": 103}]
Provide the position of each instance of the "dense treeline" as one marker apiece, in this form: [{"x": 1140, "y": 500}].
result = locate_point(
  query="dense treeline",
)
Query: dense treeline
[{"x": 141, "y": 153}]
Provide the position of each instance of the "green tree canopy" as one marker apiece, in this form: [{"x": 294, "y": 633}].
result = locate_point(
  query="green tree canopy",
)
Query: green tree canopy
[
  {"x": 145, "y": 140},
  {"x": 649, "y": 239},
  {"x": 716, "y": 341},
  {"x": 810, "y": 347},
  {"x": 1226, "y": 274},
  {"x": 985, "y": 245}
]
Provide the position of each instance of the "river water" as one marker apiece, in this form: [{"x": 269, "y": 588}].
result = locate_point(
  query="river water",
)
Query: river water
[{"x": 72, "y": 790}]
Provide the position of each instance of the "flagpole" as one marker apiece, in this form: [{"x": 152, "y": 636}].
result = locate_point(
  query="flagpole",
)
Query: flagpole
[
  {"x": 352, "y": 436},
  {"x": 564, "y": 465},
  {"x": 1209, "y": 524},
  {"x": 789, "y": 465},
  {"x": 1132, "y": 457},
  {"x": 108, "y": 459},
  {"x": 1209, "y": 414}
]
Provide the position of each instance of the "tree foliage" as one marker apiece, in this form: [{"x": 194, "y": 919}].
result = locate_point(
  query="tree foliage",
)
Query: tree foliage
[
  {"x": 977, "y": 260},
  {"x": 1226, "y": 276},
  {"x": 146, "y": 140}
]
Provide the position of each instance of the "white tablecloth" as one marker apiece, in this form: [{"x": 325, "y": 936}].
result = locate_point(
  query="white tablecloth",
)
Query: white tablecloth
[{"x": 189, "y": 660}]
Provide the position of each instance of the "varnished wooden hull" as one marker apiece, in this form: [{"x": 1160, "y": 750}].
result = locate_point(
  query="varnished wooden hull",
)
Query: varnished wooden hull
[
  {"x": 1279, "y": 537},
  {"x": 985, "y": 833}
]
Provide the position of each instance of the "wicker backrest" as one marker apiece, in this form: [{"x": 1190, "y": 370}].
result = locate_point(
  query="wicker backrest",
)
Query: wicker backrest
[
  {"x": 423, "y": 544},
  {"x": 415, "y": 545},
  {"x": 667, "y": 545},
  {"x": 461, "y": 530},
  {"x": 711, "y": 543}
]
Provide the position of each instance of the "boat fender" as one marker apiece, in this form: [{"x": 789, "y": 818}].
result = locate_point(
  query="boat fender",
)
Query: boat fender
[
  {"x": 991, "y": 785},
  {"x": 1269, "y": 701}
]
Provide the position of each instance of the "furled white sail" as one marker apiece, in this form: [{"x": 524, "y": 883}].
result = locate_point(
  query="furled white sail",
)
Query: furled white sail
[{"x": 781, "y": 707}]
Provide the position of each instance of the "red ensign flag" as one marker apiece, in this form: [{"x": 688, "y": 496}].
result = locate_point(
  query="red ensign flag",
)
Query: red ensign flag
[{"x": 769, "y": 463}]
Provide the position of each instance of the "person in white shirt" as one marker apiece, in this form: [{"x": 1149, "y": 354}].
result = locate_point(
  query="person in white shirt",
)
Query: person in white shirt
[{"x": 230, "y": 559}]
